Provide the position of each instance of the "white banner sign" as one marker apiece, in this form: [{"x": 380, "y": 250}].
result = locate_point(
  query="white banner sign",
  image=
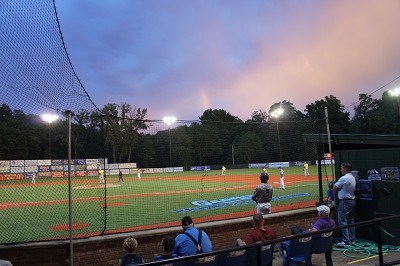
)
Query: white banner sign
[
  {"x": 17, "y": 163},
  {"x": 44, "y": 162},
  {"x": 127, "y": 165}
]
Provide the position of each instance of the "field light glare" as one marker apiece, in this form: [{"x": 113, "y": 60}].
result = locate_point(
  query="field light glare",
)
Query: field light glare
[
  {"x": 277, "y": 112},
  {"x": 169, "y": 120},
  {"x": 395, "y": 92},
  {"x": 49, "y": 118}
]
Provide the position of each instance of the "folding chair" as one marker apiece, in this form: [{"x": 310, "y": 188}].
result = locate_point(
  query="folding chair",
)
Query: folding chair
[
  {"x": 296, "y": 251},
  {"x": 323, "y": 244},
  {"x": 205, "y": 261},
  {"x": 267, "y": 252}
]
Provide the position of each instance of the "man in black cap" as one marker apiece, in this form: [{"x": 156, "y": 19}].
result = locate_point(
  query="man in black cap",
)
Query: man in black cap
[
  {"x": 263, "y": 194},
  {"x": 192, "y": 241}
]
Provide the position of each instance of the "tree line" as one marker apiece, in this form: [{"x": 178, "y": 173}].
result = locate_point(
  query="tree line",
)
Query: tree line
[{"x": 123, "y": 133}]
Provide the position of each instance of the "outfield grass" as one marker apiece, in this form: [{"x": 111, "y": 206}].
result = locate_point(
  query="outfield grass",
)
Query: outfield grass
[{"x": 29, "y": 212}]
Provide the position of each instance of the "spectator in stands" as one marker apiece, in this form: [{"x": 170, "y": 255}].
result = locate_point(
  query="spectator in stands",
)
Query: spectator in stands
[
  {"x": 191, "y": 241},
  {"x": 130, "y": 246},
  {"x": 324, "y": 221},
  {"x": 168, "y": 244},
  {"x": 263, "y": 194},
  {"x": 259, "y": 232},
  {"x": 331, "y": 194}
]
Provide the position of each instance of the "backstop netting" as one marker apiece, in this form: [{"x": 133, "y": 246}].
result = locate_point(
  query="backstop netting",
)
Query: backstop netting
[{"x": 128, "y": 173}]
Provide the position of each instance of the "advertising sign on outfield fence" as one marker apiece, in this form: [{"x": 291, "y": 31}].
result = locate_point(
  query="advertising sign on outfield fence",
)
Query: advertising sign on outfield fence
[
  {"x": 44, "y": 168},
  {"x": 17, "y": 169},
  {"x": 200, "y": 168},
  {"x": 133, "y": 171},
  {"x": 57, "y": 174},
  {"x": 92, "y": 173},
  {"x": 80, "y": 173},
  {"x": 91, "y": 167},
  {"x": 113, "y": 166},
  {"x": 31, "y": 162},
  {"x": 17, "y": 163},
  {"x": 114, "y": 171},
  {"x": 57, "y": 162},
  {"x": 158, "y": 170},
  {"x": 278, "y": 164},
  {"x": 44, "y": 162},
  {"x": 4, "y": 166},
  {"x": 11, "y": 177},
  {"x": 92, "y": 161},
  {"x": 44, "y": 174},
  {"x": 257, "y": 165},
  {"x": 57, "y": 168},
  {"x": 66, "y": 168},
  {"x": 127, "y": 165},
  {"x": 31, "y": 169},
  {"x": 80, "y": 161}
]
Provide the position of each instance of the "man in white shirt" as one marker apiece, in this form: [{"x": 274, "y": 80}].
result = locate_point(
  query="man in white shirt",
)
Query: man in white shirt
[{"x": 346, "y": 186}]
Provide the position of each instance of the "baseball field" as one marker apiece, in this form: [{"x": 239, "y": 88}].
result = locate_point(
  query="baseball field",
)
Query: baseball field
[{"x": 32, "y": 212}]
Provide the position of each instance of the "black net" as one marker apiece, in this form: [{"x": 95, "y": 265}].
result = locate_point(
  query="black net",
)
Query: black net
[
  {"x": 128, "y": 173},
  {"x": 36, "y": 73}
]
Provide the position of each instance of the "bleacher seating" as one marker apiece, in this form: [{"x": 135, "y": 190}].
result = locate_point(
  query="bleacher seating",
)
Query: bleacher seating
[
  {"x": 296, "y": 251},
  {"x": 323, "y": 244},
  {"x": 266, "y": 255}
]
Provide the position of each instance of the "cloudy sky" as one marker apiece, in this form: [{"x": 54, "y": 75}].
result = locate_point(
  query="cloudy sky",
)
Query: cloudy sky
[{"x": 179, "y": 57}]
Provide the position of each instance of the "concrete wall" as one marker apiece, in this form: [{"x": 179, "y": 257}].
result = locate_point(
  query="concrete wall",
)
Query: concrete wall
[{"x": 106, "y": 250}]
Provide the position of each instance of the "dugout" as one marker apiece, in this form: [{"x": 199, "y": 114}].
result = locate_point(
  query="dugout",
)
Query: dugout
[{"x": 376, "y": 158}]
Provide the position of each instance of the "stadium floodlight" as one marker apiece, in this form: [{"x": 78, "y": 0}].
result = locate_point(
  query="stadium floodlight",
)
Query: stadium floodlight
[
  {"x": 276, "y": 114},
  {"x": 396, "y": 93},
  {"x": 169, "y": 120},
  {"x": 49, "y": 119}
]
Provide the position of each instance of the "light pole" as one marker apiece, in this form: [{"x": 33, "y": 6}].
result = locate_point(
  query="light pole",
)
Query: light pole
[
  {"x": 276, "y": 114},
  {"x": 169, "y": 120},
  {"x": 396, "y": 93},
  {"x": 49, "y": 118}
]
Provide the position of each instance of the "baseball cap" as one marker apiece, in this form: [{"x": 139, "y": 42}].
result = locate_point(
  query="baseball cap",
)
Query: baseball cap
[
  {"x": 324, "y": 209},
  {"x": 186, "y": 221}
]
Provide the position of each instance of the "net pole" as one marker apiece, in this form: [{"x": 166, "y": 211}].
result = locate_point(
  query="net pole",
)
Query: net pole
[
  {"x": 71, "y": 245},
  {"x": 328, "y": 131}
]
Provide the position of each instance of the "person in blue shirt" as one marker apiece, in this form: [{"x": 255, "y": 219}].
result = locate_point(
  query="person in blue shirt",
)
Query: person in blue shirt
[
  {"x": 168, "y": 244},
  {"x": 331, "y": 193},
  {"x": 192, "y": 241}
]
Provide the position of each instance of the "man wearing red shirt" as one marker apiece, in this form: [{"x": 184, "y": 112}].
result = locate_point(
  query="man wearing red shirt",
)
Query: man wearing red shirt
[{"x": 258, "y": 233}]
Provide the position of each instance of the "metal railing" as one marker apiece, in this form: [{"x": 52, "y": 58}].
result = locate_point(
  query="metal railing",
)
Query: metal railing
[{"x": 377, "y": 222}]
